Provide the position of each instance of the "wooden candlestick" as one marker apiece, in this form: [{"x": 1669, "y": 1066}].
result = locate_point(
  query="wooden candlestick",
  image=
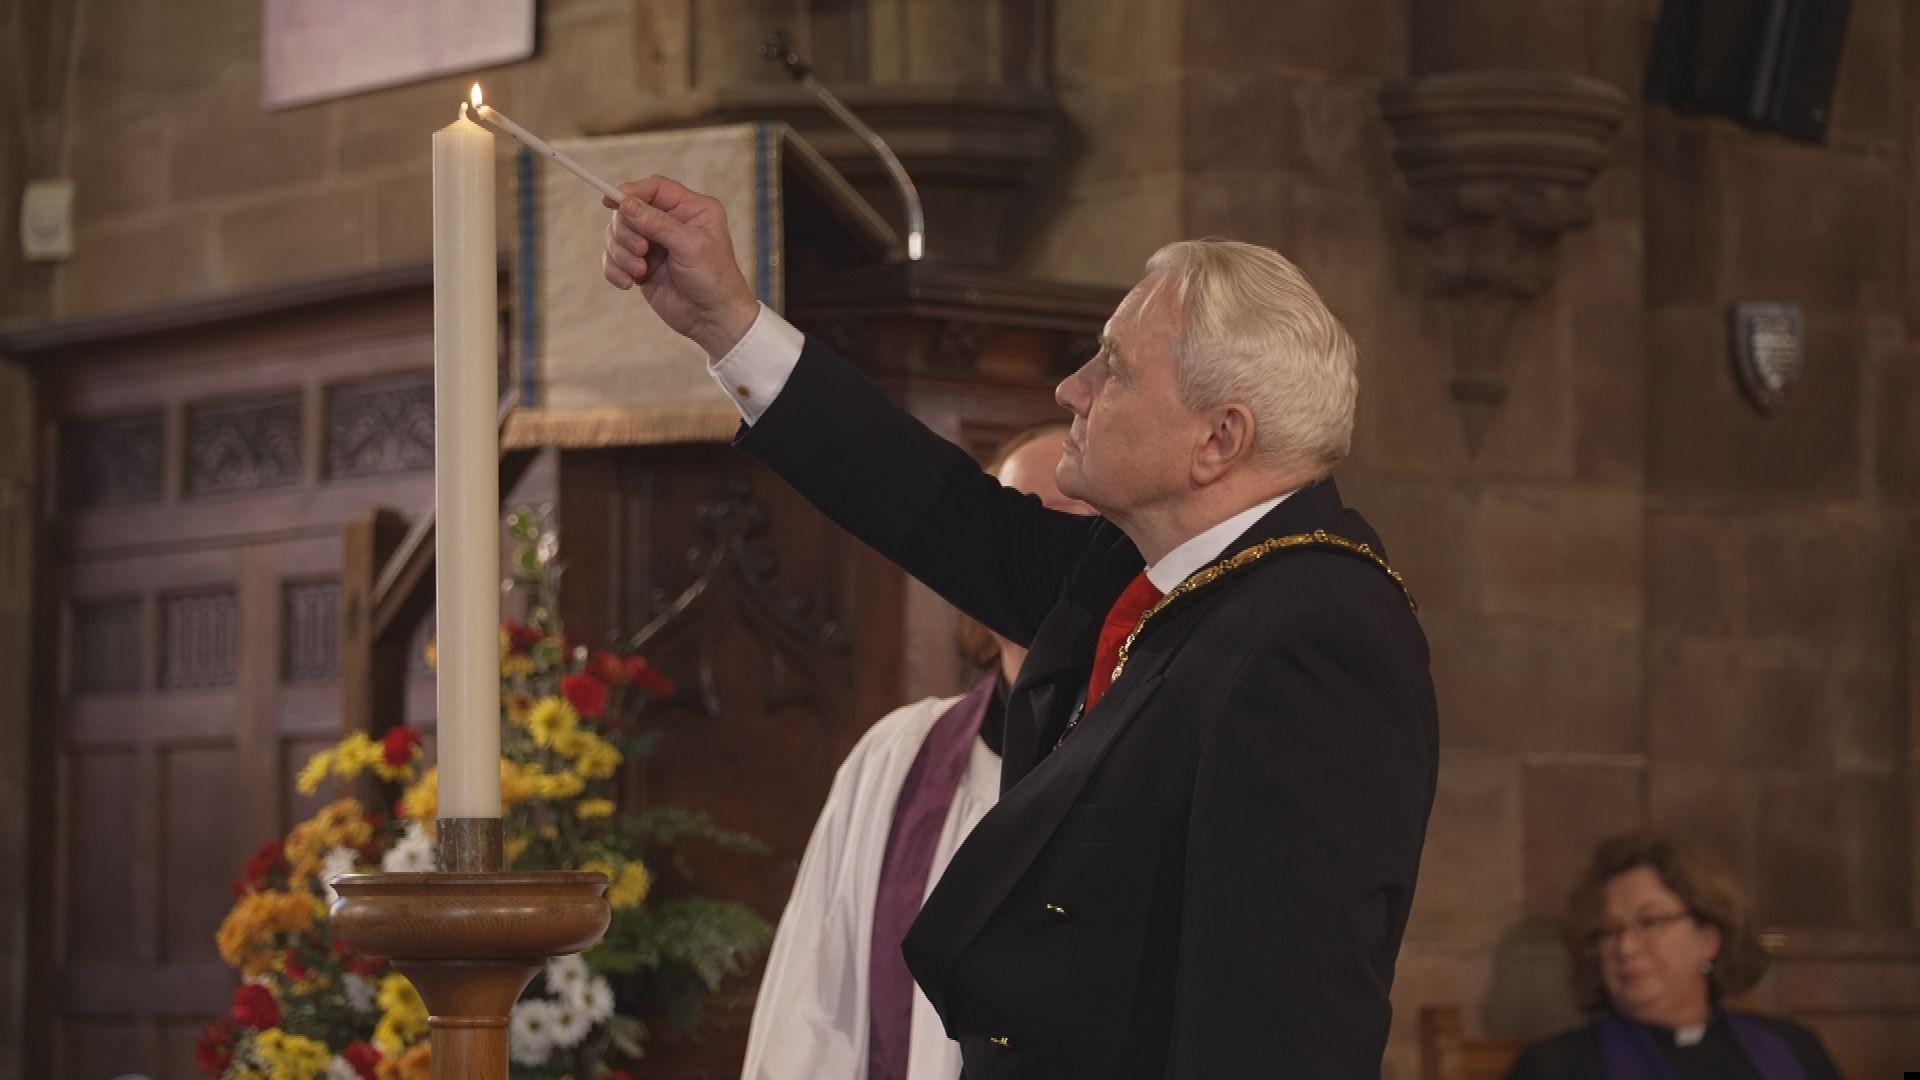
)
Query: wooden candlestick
[{"x": 470, "y": 943}]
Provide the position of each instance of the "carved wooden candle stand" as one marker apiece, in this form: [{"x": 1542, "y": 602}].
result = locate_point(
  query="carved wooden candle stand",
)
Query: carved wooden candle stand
[{"x": 470, "y": 937}]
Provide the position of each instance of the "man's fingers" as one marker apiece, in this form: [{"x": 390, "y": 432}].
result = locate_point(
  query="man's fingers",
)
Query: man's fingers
[
  {"x": 655, "y": 224},
  {"x": 679, "y": 201},
  {"x": 615, "y": 276},
  {"x": 634, "y": 267}
]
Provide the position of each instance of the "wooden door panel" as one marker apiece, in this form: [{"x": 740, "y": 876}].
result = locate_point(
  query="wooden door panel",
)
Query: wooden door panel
[
  {"x": 99, "y": 856},
  {"x": 193, "y": 571},
  {"x": 196, "y": 862}
]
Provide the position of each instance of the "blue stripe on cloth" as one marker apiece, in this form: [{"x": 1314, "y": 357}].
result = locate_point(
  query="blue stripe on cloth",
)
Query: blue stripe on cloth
[
  {"x": 763, "y": 214},
  {"x": 529, "y": 267}
]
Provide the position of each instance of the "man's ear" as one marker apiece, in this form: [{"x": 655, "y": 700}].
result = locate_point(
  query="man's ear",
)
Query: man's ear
[{"x": 1227, "y": 443}]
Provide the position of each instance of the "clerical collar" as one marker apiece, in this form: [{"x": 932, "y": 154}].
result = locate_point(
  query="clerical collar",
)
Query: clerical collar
[
  {"x": 1175, "y": 566},
  {"x": 1689, "y": 1036}
]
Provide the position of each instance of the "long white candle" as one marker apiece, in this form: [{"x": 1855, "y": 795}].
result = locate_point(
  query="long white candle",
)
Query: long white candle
[
  {"x": 466, "y": 470},
  {"x": 493, "y": 118}
]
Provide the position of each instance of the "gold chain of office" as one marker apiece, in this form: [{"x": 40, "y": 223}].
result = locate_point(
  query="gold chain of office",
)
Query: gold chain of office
[{"x": 1240, "y": 560}]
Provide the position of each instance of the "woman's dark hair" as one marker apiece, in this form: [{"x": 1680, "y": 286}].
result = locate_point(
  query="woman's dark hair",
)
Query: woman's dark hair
[{"x": 1710, "y": 891}]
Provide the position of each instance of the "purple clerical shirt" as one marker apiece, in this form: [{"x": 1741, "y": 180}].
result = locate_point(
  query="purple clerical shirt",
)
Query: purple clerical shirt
[{"x": 919, "y": 815}]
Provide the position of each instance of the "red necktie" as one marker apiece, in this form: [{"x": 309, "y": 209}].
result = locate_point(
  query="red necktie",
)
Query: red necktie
[{"x": 1121, "y": 619}]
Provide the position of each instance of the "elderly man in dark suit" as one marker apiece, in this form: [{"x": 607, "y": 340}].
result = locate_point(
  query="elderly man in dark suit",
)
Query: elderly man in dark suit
[{"x": 1220, "y": 754}]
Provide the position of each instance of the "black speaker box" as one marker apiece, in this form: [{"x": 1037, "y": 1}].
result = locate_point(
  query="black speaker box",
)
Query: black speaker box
[{"x": 1770, "y": 64}]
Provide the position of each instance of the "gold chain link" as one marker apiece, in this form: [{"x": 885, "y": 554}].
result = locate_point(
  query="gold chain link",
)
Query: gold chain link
[{"x": 1240, "y": 560}]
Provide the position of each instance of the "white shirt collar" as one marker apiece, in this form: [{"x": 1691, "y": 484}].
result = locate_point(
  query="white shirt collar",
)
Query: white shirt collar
[{"x": 1176, "y": 565}]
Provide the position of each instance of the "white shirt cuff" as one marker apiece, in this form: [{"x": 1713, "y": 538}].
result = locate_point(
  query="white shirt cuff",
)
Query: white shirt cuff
[{"x": 756, "y": 369}]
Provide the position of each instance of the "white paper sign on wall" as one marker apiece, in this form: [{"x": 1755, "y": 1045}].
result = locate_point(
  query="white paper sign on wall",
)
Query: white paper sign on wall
[{"x": 313, "y": 50}]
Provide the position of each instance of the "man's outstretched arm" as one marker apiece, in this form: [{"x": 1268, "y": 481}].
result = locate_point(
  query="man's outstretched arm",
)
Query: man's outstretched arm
[{"x": 875, "y": 470}]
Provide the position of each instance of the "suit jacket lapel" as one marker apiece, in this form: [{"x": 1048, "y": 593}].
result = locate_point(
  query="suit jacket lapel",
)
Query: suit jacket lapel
[
  {"x": 1041, "y": 783},
  {"x": 1005, "y": 842},
  {"x": 1062, "y": 654}
]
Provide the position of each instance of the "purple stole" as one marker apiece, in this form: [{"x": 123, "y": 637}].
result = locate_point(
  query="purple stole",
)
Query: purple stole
[
  {"x": 1631, "y": 1054},
  {"x": 919, "y": 815}
]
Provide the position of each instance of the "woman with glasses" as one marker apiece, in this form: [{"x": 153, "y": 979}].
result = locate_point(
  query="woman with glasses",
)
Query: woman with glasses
[{"x": 1660, "y": 936}]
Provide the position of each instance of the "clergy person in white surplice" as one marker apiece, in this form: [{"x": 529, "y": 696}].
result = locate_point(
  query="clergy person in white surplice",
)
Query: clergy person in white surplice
[{"x": 837, "y": 1002}]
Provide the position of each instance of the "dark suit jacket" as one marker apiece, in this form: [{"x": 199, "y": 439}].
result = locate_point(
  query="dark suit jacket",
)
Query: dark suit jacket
[
  {"x": 1210, "y": 878},
  {"x": 1576, "y": 1054}
]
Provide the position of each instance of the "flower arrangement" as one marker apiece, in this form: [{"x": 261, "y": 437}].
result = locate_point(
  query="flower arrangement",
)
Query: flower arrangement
[{"x": 309, "y": 1008}]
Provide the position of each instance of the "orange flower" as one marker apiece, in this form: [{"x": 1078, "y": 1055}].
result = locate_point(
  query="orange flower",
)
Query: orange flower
[{"x": 415, "y": 1064}]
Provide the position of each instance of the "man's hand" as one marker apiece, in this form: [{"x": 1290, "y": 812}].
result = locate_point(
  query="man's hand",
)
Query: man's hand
[{"x": 673, "y": 243}]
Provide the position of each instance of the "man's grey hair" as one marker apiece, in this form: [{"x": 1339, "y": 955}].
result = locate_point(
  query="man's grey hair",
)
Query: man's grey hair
[{"x": 1255, "y": 332}]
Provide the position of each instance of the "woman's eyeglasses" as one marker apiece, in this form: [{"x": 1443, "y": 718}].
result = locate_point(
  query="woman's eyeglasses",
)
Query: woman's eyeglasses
[{"x": 1644, "y": 929}]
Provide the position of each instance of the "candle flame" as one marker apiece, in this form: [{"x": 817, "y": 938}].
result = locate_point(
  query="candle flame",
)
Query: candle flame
[{"x": 476, "y": 95}]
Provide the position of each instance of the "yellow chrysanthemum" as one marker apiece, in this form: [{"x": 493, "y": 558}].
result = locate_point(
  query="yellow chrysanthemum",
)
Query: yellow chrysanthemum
[
  {"x": 598, "y": 760},
  {"x": 341, "y": 823},
  {"x": 631, "y": 887},
  {"x": 588, "y": 809},
  {"x": 518, "y": 707},
  {"x": 518, "y": 667},
  {"x": 552, "y": 719},
  {"x": 520, "y": 782},
  {"x": 290, "y": 1057},
  {"x": 421, "y": 802},
  {"x": 404, "y": 1015},
  {"x": 246, "y": 936},
  {"x": 314, "y": 773},
  {"x": 561, "y": 785}
]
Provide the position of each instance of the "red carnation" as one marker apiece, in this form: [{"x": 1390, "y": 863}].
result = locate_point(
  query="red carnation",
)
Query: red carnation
[
  {"x": 267, "y": 858},
  {"x": 213, "y": 1051},
  {"x": 588, "y": 694},
  {"x": 293, "y": 969},
  {"x": 399, "y": 745},
  {"x": 254, "y": 1007},
  {"x": 520, "y": 636},
  {"x": 648, "y": 678},
  {"x": 607, "y": 667},
  {"x": 364, "y": 1059}
]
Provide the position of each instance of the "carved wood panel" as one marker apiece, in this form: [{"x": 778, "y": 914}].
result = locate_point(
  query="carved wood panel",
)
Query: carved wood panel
[
  {"x": 243, "y": 445},
  {"x": 199, "y": 634},
  {"x": 111, "y": 461},
  {"x": 105, "y": 647},
  {"x": 200, "y": 650},
  {"x": 383, "y": 425},
  {"x": 310, "y": 631}
]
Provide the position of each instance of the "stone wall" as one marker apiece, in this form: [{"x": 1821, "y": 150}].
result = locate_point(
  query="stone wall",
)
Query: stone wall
[{"x": 1647, "y": 603}]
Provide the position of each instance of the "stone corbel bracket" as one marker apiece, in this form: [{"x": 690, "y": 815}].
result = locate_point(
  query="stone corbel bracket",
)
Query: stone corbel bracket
[{"x": 1497, "y": 165}]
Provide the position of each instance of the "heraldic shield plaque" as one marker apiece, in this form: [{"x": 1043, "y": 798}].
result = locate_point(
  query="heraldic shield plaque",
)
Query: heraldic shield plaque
[{"x": 1769, "y": 342}]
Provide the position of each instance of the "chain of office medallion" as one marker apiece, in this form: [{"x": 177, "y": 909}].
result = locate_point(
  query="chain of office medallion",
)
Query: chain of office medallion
[{"x": 1240, "y": 560}]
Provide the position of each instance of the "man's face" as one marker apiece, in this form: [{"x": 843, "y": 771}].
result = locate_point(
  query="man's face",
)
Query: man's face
[{"x": 1131, "y": 441}]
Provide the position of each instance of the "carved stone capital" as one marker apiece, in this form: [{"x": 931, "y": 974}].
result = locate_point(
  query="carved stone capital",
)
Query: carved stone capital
[{"x": 1498, "y": 165}]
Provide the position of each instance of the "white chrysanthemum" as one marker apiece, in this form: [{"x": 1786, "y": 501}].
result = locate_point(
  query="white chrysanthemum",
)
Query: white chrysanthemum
[
  {"x": 530, "y": 1032},
  {"x": 361, "y": 992},
  {"x": 593, "y": 997},
  {"x": 340, "y": 1069},
  {"x": 570, "y": 1024},
  {"x": 565, "y": 974},
  {"x": 414, "y": 852},
  {"x": 339, "y": 861}
]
